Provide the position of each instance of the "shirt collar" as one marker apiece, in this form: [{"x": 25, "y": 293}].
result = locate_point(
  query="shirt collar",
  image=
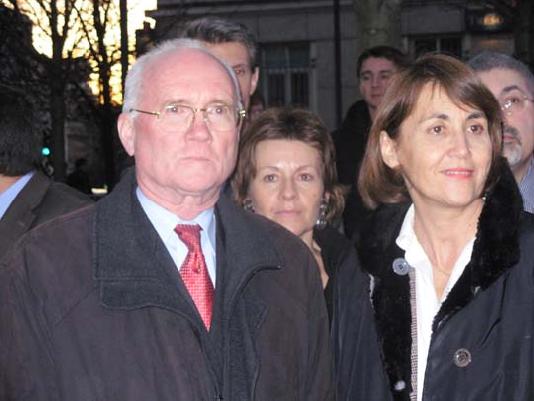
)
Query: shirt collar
[
  {"x": 9, "y": 195},
  {"x": 526, "y": 187},
  {"x": 407, "y": 234},
  {"x": 164, "y": 221}
]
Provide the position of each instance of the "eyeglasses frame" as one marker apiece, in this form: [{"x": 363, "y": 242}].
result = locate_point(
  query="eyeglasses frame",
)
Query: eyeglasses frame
[
  {"x": 506, "y": 106},
  {"x": 241, "y": 113}
]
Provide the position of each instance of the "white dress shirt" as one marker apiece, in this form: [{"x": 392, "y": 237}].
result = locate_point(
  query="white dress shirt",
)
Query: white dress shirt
[
  {"x": 165, "y": 221},
  {"x": 8, "y": 196},
  {"x": 526, "y": 187},
  {"x": 427, "y": 302}
]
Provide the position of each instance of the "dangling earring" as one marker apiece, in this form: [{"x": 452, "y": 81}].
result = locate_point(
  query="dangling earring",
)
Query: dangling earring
[
  {"x": 248, "y": 206},
  {"x": 321, "y": 220}
]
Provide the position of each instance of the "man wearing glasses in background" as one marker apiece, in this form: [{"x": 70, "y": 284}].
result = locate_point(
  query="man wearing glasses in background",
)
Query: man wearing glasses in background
[
  {"x": 512, "y": 84},
  {"x": 165, "y": 290}
]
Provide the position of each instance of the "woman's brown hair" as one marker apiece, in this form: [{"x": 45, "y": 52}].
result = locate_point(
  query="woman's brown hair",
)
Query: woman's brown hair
[
  {"x": 293, "y": 124},
  {"x": 379, "y": 183}
]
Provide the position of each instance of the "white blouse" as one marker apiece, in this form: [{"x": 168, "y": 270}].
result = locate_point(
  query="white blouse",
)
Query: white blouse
[{"x": 427, "y": 302}]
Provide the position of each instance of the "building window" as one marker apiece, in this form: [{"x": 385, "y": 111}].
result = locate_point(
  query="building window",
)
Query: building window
[
  {"x": 451, "y": 45},
  {"x": 285, "y": 74}
]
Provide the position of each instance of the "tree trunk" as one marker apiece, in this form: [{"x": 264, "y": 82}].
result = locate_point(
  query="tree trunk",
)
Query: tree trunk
[
  {"x": 56, "y": 75},
  {"x": 107, "y": 129},
  {"x": 124, "y": 41}
]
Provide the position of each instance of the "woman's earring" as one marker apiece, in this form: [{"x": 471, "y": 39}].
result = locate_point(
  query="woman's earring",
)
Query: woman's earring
[
  {"x": 248, "y": 206},
  {"x": 321, "y": 220}
]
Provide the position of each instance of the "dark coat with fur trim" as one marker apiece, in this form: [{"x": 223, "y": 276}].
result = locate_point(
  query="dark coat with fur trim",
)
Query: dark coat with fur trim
[
  {"x": 482, "y": 346},
  {"x": 92, "y": 308}
]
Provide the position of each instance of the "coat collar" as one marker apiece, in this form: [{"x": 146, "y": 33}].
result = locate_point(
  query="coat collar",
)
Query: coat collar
[
  {"x": 134, "y": 268},
  {"x": 495, "y": 251}
]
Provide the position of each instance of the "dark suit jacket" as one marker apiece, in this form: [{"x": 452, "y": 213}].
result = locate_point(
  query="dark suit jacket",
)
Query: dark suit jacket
[
  {"x": 40, "y": 200},
  {"x": 350, "y": 141}
]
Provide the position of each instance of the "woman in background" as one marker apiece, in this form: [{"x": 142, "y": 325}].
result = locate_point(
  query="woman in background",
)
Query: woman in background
[{"x": 286, "y": 172}]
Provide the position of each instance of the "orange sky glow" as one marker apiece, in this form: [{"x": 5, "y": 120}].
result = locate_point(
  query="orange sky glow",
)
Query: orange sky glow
[{"x": 136, "y": 18}]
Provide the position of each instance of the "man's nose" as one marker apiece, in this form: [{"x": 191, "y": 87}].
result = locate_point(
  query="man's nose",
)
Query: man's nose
[
  {"x": 375, "y": 80},
  {"x": 199, "y": 128}
]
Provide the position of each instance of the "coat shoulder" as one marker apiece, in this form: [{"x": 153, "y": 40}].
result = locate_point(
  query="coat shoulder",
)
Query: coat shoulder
[
  {"x": 61, "y": 199},
  {"x": 51, "y": 265}
]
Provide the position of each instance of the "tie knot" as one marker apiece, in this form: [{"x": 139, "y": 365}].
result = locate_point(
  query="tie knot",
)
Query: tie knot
[{"x": 189, "y": 234}]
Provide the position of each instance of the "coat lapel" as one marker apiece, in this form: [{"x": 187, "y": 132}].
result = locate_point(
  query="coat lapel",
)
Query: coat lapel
[
  {"x": 496, "y": 247},
  {"x": 134, "y": 268},
  {"x": 131, "y": 263}
]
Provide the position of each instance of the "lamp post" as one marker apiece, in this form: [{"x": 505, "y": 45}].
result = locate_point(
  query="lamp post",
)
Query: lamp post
[{"x": 337, "y": 62}]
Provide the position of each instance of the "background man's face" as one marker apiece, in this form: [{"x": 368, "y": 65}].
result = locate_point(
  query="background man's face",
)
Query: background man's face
[
  {"x": 236, "y": 56},
  {"x": 518, "y": 136},
  {"x": 375, "y": 74},
  {"x": 169, "y": 161}
]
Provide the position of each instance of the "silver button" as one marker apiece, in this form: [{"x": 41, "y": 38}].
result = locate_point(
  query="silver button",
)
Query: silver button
[
  {"x": 401, "y": 267},
  {"x": 400, "y": 385},
  {"x": 462, "y": 358}
]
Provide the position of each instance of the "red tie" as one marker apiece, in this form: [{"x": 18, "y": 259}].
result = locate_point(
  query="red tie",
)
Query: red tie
[{"x": 194, "y": 272}]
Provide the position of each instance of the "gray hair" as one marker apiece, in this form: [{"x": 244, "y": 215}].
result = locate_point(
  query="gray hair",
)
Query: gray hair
[
  {"x": 134, "y": 79},
  {"x": 215, "y": 30},
  {"x": 489, "y": 60}
]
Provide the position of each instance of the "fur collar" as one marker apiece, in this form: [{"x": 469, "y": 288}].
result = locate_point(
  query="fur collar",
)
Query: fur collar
[{"x": 496, "y": 249}]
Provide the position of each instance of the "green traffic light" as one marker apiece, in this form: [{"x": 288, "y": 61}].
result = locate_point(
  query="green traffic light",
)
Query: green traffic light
[{"x": 45, "y": 151}]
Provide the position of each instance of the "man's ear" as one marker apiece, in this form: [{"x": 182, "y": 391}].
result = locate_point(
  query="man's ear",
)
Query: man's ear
[
  {"x": 254, "y": 80},
  {"x": 126, "y": 132},
  {"x": 388, "y": 150}
]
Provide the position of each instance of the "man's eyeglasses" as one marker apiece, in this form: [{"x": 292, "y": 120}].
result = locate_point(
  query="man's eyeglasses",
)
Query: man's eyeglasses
[
  {"x": 514, "y": 103},
  {"x": 180, "y": 117}
]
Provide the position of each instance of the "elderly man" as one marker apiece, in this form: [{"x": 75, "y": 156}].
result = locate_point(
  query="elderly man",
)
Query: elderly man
[
  {"x": 231, "y": 42},
  {"x": 512, "y": 84},
  {"x": 163, "y": 290},
  {"x": 28, "y": 198}
]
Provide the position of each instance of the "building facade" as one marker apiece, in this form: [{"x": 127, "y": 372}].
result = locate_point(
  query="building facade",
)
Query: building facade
[
  {"x": 297, "y": 52},
  {"x": 297, "y": 41}
]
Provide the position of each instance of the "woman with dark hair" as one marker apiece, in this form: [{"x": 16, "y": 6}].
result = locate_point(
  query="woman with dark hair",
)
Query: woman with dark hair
[
  {"x": 286, "y": 172},
  {"x": 449, "y": 250}
]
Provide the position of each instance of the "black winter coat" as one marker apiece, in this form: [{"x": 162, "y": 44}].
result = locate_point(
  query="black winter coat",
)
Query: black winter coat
[
  {"x": 350, "y": 142},
  {"x": 92, "y": 308},
  {"x": 337, "y": 253},
  {"x": 357, "y": 364},
  {"x": 482, "y": 346}
]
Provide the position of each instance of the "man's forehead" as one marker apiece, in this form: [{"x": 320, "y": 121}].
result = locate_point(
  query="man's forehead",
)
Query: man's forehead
[
  {"x": 185, "y": 57},
  {"x": 191, "y": 68},
  {"x": 377, "y": 64},
  {"x": 186, "y": 62},
  {"x": 233, "y": 53},
  {"x": 503, "y": 80}
]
